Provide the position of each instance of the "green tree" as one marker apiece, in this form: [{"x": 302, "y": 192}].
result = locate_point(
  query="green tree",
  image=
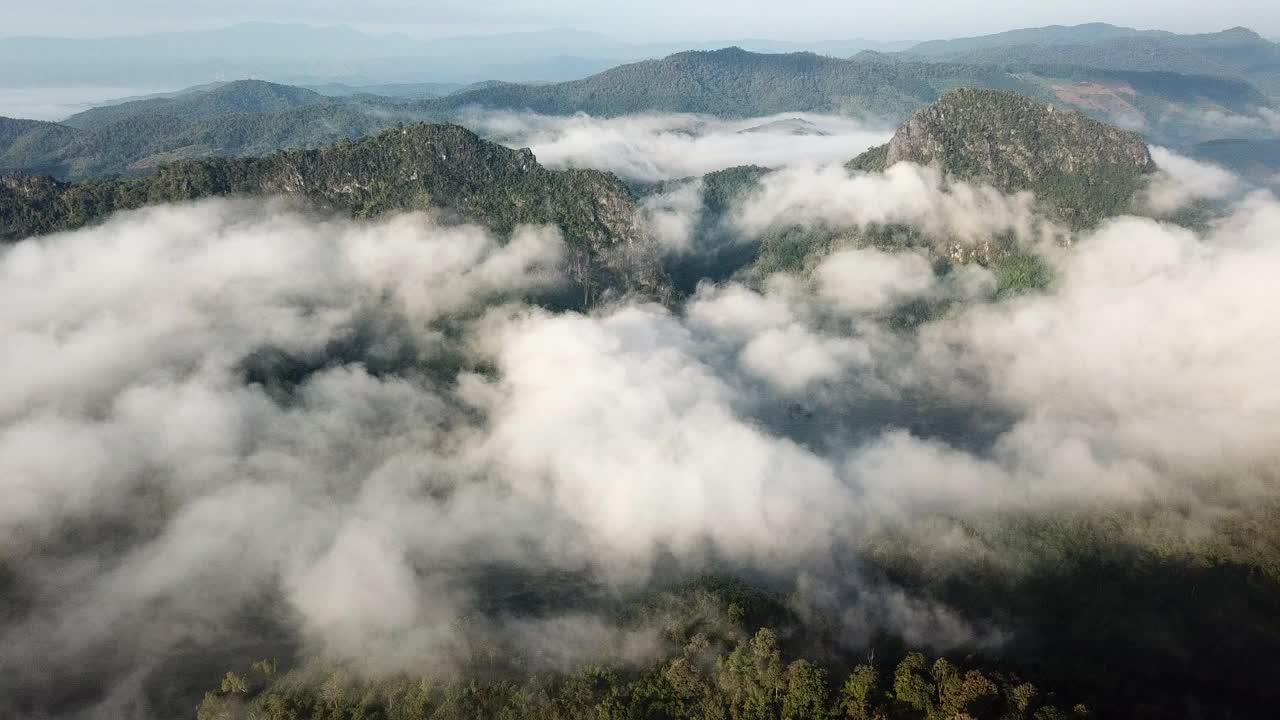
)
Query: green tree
[
  {"x": 806, "y": 696},
  {"x": 911, "y": 686},
  {"x": 858, "y": 696}
]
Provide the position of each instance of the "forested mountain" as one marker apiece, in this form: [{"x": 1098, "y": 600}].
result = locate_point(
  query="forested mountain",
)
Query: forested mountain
[
  {"x": 1081, "y": 172},
  {"x": 1237, "y": 53},
  {"x": 33, "y": 145},
  {"x": 1173, "y": 108},
  {"x": 1049, "y": 35},
  {"x": 246, "y": 117},
  {"x": 419, "y": 167},
  {"x": 1082, "y": 169},
  {"x": 735, "y": 83},
  {"x": 242, "y": 96},
  {"x": 252, "y": 117},
  {"x": 738, "y": 654}
]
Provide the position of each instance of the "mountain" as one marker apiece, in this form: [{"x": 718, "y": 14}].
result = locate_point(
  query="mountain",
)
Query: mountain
[
  {"x": 1049, "y": 35},
  {"x": 28, "y": 143},
  {"x": 247, "y": 117},
  {"x": 137, "y": 145},
  {"x": 790, "y": 126},
  {"x": 1235, "y": 53},
  {"x": 409, "y": 91},
  {"x": 241, "y": 96},
  {"x": 1083, "y": 169},
  {"x": 303, "y": 54},
  {"x": 733, "y": 82},
  {"x": 1255, "y": 160},
  {"x": 444, "y": 168},
  {"x": 1170, "y": 108},
  {"x": 253, "y": 117}
]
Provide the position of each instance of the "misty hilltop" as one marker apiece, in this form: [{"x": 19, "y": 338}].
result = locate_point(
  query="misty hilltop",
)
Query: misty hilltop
[
  {"x": 1238, "y": 52},
  {"x": 1223, "y": 95},
  {"x": 1086, "y": 170},
  {"x": 736, "y": 83}
]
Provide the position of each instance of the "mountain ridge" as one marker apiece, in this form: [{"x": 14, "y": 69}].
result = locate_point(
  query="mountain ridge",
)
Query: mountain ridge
[{"x": 442, "y": 168}]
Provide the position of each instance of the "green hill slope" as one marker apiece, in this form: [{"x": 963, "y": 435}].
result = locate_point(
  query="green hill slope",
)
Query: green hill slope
[{"x": 444, "y": 168}]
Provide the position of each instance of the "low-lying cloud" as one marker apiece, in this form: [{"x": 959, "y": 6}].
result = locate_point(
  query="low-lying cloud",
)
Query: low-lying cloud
[
  {"x": 212, "y": 409},
  {"x": 905, "y": 194},
  {"x": 665, "y": 147},
  {"x": 1182, "y": 180}
]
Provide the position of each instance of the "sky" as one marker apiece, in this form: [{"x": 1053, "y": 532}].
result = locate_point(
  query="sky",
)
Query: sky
[{"x": 647, "y": 21}]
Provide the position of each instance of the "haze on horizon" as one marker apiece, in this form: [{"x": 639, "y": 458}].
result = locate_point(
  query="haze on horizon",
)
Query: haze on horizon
[{"x": 803, "y": 20}]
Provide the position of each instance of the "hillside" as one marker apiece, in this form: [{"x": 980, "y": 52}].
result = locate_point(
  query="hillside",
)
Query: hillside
[
  {"x": 1236, "y": 53},
  {"x": 1170, "y": 107},
  {"x": 251, "y": 117},
  {"x": 241, "y": 96},
  {"x": 232, "y": 119},
  {"x": 32, "y": 144},
  {"x": 1082, "y": 169},
  {"x": 444, "y": 168},
  {"x": 1048, "y": 35},
  {"x": 735, "y": 83}
]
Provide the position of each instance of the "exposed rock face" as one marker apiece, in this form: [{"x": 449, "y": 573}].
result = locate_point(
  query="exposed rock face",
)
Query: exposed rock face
[
  {"x": 443, "y": 168},
  {"x": 1014, "y": 140},
  {"x": 1082, "y": 169}
]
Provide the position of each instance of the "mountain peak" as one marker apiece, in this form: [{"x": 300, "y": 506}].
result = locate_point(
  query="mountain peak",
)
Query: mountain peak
[
  {"x": 1241, "y": 31},
  {"x": 1084, "y": 169}
]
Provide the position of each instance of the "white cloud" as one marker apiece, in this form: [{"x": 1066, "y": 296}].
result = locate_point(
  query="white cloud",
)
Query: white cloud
[
  {"x": 1183, "y": 180},
  {"x": 422, "y": 426},
  {"x": 666, "y": 147},
  {"x": 865, "y": 280},
  {"x": 904, "y": 194}
]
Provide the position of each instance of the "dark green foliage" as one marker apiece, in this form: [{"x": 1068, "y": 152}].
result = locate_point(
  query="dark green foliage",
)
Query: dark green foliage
[
  {"x": 806, "y": 697},
  {"x": 250, "y": 117},
  {"x": 736, "y": 83},
  {"x": 241, "y": 96},
  {"x": 911, "y": 685},
  {"x": 1021, "y": 272},
  {"x": 33, "y": 145},
  {"x": 874, "y": 160},
  {"x": 444, "y": 168},
  {"x": 1124, "y": 610},
  {"x": 247, "y": 117},
  {"x": 1081, "y": 170},
  {"x": 749, "y": 683}
]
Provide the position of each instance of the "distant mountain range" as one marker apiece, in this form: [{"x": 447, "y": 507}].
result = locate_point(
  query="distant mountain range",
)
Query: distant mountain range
[
  {"x": 1116, "y": 75},
  {"x": 1236, "y": 53},
  {"x": 443, "y": 168},
  {"x": 1080, "y": 169},
  {"x": 1083, "y": 171},
  {"x": 302, "y": 54}
]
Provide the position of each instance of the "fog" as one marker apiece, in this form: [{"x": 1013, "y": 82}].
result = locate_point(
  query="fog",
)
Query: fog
[
  {"x": 231, "y": 427},
  {"x": 58, "y": 103},
  {"x": 665, "y": 147}
]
